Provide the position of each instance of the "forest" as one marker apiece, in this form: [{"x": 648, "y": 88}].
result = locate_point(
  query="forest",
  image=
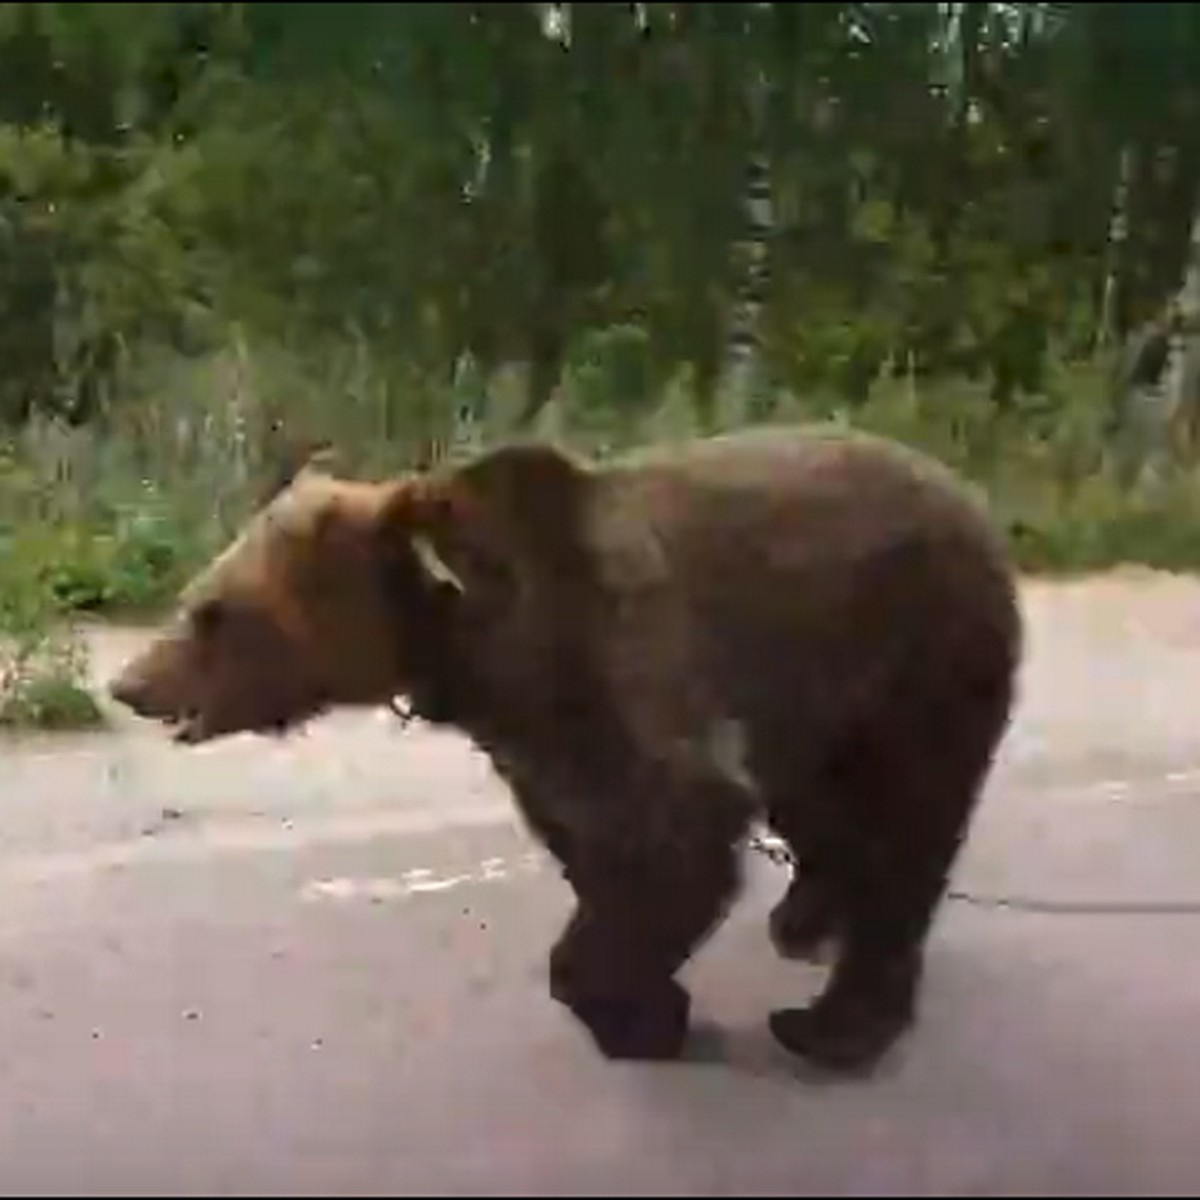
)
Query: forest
[{"x": 231, "y": 233}]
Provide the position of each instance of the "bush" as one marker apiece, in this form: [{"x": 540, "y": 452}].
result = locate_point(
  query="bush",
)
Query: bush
[
  {"x": 609, "y": 376},
  {"x": 43, "y": 666},
  {"x": 133, "y": 567}
]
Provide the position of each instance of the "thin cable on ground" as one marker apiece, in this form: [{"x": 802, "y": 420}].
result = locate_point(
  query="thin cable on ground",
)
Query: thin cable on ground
[
  {"x": 1081, "y": 908},
  {"x": 779, "y": 854}
]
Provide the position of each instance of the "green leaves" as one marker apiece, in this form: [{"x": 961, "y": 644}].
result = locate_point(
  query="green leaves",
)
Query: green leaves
[{"x": 508, "y": 179}]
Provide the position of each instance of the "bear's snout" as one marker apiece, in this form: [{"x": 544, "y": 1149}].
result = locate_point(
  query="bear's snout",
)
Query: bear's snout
[
  {"x": 152, "y": 685},
  {"x": 152, "y": 698},
  {"x": 131, "y": 693}
]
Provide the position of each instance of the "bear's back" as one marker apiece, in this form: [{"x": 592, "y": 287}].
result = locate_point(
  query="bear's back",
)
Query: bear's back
[
  {"x": 827, "y": 557},
  {"x": 772, "y": 499}
]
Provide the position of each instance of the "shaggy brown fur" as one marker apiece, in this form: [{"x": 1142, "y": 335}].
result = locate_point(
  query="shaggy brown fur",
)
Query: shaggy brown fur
[{"x": 816, "y": 628}]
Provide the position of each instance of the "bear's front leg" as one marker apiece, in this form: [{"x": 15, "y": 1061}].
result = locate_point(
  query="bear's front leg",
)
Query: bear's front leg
[
  {"x": 632, "y": 1007},
  {"x": 637, "y": 921}
]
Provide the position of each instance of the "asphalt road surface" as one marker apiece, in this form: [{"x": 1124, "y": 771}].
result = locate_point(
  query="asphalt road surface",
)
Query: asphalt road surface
[{"x": 317, "y": 967}]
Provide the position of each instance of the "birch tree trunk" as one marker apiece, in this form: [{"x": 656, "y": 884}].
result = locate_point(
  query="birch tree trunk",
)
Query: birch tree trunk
[
  {"x": 1118, "y": 236},
  {"x": 742, "y": 344},
  {"x": 1182, "y": 374},
  {"x": 1161, "y": 379}
]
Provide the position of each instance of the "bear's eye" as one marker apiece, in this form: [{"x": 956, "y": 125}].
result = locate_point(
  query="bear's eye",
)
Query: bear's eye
[{"x": 209, "y": 617}]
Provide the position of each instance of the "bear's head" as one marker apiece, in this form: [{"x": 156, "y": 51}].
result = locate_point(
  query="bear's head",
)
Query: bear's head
[{"x": 340, "y": 593}]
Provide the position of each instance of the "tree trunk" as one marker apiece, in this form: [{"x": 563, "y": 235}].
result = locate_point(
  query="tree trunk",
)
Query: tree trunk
[
  {"x": 1182, "y": 382},
  {"x": 1161, "y": 401},
  {"x": 1107, "y": 329},
  {"x": 743, "y": 341}
]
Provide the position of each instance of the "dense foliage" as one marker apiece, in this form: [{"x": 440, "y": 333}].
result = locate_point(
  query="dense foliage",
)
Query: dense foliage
[{"x": 501, "y": 180}]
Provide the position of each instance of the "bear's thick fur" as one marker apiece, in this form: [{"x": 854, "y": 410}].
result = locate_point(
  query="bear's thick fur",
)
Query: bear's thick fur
[{"x": 803, "y": 625}]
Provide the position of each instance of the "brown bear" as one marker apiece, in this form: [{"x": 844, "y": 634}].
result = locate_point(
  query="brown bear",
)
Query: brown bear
[{"x": 805, "y": 626}]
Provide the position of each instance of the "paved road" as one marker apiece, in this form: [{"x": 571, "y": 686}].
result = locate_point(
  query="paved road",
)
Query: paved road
[{"x": 317, "y": 967}]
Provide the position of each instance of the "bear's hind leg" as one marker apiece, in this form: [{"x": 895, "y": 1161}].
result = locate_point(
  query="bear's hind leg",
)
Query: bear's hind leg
[
  {"x": 871, "y": 998},
  {"x": 908, "y": 799},
  {"x": 807, "y": 923},
  {"x": 804, "y": 925}
]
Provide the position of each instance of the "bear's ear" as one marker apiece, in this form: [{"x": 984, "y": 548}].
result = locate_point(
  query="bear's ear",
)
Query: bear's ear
[
  {"x": 433, "y": 531},
  {"x": 513, "y": 514},
  {"x": 306, "y": 458},
  {"x": 535, "y": 497}
]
